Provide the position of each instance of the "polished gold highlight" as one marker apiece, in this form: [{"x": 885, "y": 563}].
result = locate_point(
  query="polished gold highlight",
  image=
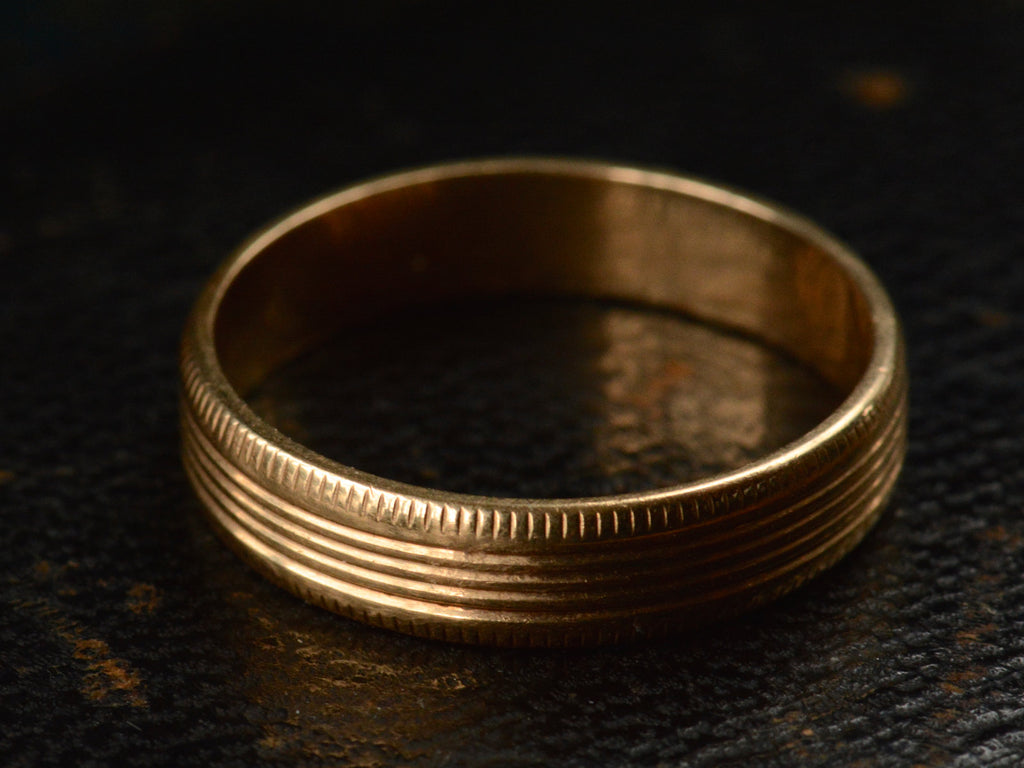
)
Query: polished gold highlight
[{"x": 516, "y": 571}]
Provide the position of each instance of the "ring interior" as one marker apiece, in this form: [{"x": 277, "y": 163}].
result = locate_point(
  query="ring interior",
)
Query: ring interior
[{"x": 535, "y": 233}]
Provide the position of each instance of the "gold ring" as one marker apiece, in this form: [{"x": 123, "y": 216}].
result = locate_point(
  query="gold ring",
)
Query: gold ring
[{"x": 518, "y": 571}]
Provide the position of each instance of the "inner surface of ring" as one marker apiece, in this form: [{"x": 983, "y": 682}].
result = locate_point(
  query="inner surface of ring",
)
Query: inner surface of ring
[
  {"x": 538, "y": 233},
  {"x": 554, "y": 397}
]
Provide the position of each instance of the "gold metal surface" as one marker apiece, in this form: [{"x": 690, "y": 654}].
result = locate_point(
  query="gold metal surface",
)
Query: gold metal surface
[{"x": 519, "y": 571}]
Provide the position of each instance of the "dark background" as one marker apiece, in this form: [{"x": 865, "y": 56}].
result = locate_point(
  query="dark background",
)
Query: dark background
[{"x": 138, "y": 146}]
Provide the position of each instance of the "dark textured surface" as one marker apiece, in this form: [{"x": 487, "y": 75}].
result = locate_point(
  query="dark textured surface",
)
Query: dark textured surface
[
  {"x": 543, "y": 398},
  {"x": 137, "y": 149}
]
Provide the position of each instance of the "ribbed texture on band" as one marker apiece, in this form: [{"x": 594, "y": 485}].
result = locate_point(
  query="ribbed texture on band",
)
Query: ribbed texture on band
[{"x": 510, "y": 573}]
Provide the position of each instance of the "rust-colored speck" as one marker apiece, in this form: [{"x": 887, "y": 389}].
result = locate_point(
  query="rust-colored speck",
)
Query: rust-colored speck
[
  {"x": 108, "y": 680},
  {"x": 6, "y": 476},
  {"x": 955, "y": 682},
  {"x": 992, "y": 318},
  {"x": 878, "y": 89},
  {"x": 272, "y": 742},
  {"x": 976, "y": 634},
  {"x": 657, "y": 387},
  {"x": 1000, "y": 535},
  {"x": 106, "y": 675},
  {"x": 143, "y": 598}
]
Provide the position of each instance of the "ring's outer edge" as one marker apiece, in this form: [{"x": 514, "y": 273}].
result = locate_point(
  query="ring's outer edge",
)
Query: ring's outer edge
[{"x": 339, "y": 537}]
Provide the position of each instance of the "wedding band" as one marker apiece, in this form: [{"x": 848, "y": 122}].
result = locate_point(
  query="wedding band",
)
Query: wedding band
[{"x": 520, "y": 571}]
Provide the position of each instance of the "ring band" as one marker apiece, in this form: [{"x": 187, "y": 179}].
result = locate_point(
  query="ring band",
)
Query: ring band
[{"x": 517, "y": 571}]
